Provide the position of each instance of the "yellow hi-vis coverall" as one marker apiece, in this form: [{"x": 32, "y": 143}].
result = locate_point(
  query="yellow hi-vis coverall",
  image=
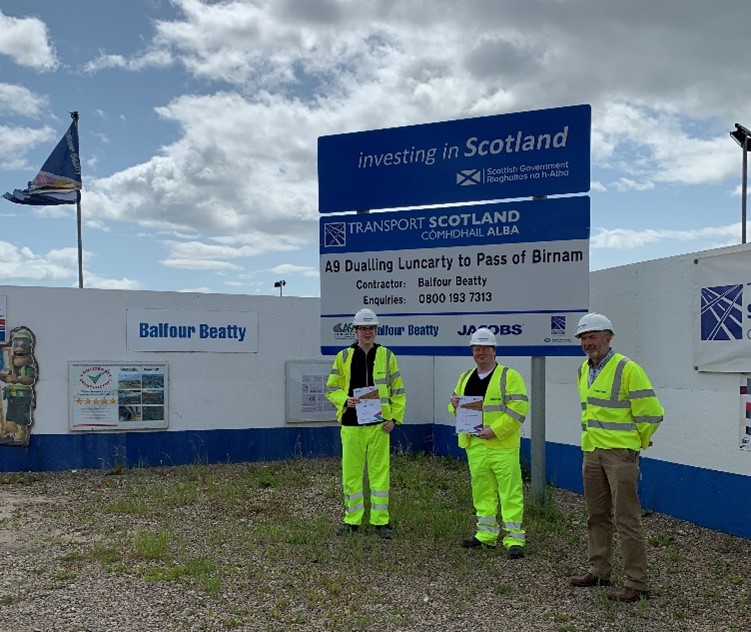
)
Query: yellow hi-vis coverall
[
  {"x": 494, "y": 463},
  {"x": 369, "y": 442}
]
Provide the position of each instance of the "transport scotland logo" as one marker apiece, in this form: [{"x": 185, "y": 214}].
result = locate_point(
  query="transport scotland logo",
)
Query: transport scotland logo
[
  {"x": 557, "y": 325},
  {"x": 722, "y": 312},
  {"x": 335, "y": 234}
]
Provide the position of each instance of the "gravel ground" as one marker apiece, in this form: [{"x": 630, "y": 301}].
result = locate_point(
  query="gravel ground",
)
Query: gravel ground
[{"x": 251, "y": 547}]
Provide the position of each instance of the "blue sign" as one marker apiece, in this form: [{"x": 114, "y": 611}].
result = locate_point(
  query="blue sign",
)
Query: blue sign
[
  {"x": 433, "y": 276},
  {"x": 542, "y": 152}
]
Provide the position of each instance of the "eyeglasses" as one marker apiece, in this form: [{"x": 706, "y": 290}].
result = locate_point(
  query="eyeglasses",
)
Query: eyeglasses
[{"x": 366, "y": 328}]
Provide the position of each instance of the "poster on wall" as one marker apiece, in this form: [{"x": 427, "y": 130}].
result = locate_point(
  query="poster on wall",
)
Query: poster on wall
[
  {"x": 114, "y": 396},
  {"x": 722, "y": 311},
  {"x": 306, "y": 391},
  {"x": 745, "y": 426}
]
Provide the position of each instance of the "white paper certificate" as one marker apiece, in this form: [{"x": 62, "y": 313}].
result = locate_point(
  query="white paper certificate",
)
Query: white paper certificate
[
  {"x": 369, "y": 408},
  {"x": 468, "y": 417}
]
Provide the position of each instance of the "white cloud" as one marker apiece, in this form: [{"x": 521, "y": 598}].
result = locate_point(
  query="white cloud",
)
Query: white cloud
[
  {"x": 621, "y": 238},
  {"x": 289, "y": 268},
  {"x": 627, "y": 184},
  {"x": 15, "y": 142},
  {"x": 25, "y": 41},
  {"x": 20, "y": 100},
  {"x": 91, "y": 280},
  {"x": 19, "y": 263},
  {"x": 200, "y": 264}
]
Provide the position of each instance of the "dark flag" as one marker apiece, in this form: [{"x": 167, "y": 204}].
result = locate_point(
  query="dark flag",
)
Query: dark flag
[{"x": 59, "y": 180}]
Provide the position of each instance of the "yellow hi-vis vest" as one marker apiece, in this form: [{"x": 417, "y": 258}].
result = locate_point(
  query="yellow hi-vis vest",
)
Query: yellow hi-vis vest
[
  {"x": 504, "y": 407},
  {"x": 386, "y": 377},
  {"x": 620, "y": 409}
]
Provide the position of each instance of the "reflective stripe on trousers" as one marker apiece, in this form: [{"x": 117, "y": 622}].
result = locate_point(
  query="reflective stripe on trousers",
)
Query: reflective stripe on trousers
[
  {"x": 361, "y": 445},
  {"x": 496, "y": 473}
]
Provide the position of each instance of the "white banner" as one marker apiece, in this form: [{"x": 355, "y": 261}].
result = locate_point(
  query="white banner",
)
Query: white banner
[
  {"x": 190, "y": 330},
  {"x": 722, "y": 313}
]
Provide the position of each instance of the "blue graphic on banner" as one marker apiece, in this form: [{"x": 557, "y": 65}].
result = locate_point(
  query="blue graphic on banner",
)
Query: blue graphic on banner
[
  {"x": 722, "y": 312},
  {"x": 542, "y": 152}
]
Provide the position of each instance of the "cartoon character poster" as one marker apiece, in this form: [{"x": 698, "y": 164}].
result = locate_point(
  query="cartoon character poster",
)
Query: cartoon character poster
[{"x": 18, "y": 375}]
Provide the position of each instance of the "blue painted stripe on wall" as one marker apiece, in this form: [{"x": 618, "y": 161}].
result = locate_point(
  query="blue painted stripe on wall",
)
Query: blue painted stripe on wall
[
  {"x": 153, "y": 449},
  {"x": 717, "y": 500}
]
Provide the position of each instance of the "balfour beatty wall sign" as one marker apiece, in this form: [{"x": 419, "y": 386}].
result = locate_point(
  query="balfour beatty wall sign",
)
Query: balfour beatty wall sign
[
  {"x": 191, "y": 330},
  {"x": 543, "y": 152},
  {"x": 435, "y": 276}
]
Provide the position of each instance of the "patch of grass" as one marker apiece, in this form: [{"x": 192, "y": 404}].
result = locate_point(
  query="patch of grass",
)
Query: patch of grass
[
  {"x": 21, "y": 479},
  {"x": 151, "y": 546},
  {"x": 201, "y": 571}
]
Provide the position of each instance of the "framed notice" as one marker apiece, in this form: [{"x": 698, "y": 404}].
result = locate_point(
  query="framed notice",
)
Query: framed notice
[
  {"x": 114, "y": 396},
  {"x": 306, "y": 391}
]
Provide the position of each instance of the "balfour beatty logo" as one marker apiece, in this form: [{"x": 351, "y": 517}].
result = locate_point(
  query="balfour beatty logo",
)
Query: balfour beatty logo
[
  {"x": 347, "y": 330},
  {"x": 204, "y": 330},
  {"x": 498, "y": 330}
]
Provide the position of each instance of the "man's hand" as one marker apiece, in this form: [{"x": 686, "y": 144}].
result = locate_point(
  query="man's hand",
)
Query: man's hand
[
  {"x": 389, "y": 426},
  {"x": 486, "y": 433}
]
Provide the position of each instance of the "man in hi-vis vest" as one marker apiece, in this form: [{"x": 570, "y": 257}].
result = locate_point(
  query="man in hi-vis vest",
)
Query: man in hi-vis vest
[
  {"x": 367, "y": 417},
  {"x": 620, "y": 412},
  {"x": 493, "y": 453}
]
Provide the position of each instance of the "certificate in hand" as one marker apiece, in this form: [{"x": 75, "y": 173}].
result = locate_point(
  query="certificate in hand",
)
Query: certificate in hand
[
  {"x": 369, "y": 408},
  {"x": 469, "y": 414}
]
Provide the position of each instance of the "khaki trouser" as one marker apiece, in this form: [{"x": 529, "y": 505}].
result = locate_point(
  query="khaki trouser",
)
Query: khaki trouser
[{"x": 611, "y": 480}]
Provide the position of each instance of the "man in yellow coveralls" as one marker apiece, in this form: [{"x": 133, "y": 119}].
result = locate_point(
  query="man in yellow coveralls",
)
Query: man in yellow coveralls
[
  {"x": 361, "y": 365},
  {"x": 493, "y": 453}
]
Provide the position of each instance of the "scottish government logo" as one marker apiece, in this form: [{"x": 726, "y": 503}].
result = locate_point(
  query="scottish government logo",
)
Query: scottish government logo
[{"x": 722, "y": 312}]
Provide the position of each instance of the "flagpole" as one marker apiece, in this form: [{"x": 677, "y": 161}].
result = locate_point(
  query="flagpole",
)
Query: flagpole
[
  {"x": 74, "y": 116},
  {"x": 80, "y": 244}
]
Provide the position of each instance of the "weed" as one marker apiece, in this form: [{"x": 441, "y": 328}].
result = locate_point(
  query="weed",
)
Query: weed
[{"x": 151, "y": 546}]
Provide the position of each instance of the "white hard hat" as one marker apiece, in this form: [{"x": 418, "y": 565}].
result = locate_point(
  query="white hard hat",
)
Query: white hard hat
[
  {"x": 593, "y": 322},
  {"x": 365, "y": 317},
  {"x": 483, "y": 337}
]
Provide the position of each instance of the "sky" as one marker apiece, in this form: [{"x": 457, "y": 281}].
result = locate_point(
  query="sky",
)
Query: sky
[{"x": 199, "y": 122}]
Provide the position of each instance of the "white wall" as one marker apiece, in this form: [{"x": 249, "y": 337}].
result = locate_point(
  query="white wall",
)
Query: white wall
[
  {"x": 206, "y": 390},
  {"x": 651, "y": 305}
]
